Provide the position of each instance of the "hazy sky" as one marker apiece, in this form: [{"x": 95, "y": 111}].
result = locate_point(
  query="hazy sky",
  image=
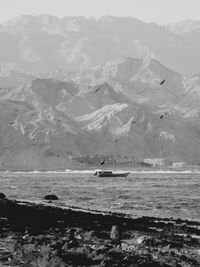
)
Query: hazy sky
[{"x": 160, "y": 11}]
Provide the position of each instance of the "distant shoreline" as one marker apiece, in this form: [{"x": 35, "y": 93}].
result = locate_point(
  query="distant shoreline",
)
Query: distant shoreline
[{"x": 92, "y": 170}]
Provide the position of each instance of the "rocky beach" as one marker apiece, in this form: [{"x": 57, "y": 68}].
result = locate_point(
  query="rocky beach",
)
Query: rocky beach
[{"x": 46, "y": 234}]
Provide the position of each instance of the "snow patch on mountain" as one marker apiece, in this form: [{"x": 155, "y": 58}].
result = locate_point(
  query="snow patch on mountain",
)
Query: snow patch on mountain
[
  {"x": 167, "y": 136},
  {"x": 100, "y": 118}
]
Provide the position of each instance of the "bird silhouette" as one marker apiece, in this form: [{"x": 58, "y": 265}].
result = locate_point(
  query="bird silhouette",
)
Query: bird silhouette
[
  {"x": 171, "y": 92},
  {"x": 97, "y": 90},
  {"x": 162, "y": 116},
  {"x": 102, "y": 162},
  {"x": 162, "y": 82}
]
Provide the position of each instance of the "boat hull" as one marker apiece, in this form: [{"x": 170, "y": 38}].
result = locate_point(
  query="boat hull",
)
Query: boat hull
[{"x": 105, "y": 174}]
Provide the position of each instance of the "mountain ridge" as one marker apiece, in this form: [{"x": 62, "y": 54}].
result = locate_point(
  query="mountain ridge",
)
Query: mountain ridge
[{"x": 45, "y": 43}]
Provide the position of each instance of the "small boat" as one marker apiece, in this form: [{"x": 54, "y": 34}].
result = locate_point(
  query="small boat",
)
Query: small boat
[{"x": 101, "y": 173}]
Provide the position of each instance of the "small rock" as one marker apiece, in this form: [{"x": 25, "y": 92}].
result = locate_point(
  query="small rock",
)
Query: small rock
[
  {"x": 2, "y": 195},
  {"x": 99, "y": 257},
  {"x": 107, "y": 242},
  {"x": 127, "y": 247},
  {"x": 114, "y": 235},
  {"x": 70, "y": 233},
  {"x": 51, "y": 197},
  {"x": 140, "y": 239},
  {"x": 25, "y": 237},
  {"x": 115, "y": 253},
  {"x": 71, "y": 240},
  {"x": 102, "y": 249},
  {"x": 91, "y": 234},
  {"x": 76, "y": 258},
  {"x": 56, "y": 245}
]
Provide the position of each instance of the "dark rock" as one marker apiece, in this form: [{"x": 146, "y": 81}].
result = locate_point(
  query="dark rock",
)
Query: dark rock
[
  {"x": 71, "y": 232},
  {"x": 76, "y": 258},
  {"x": 57, "y": 245},
  {"x": 71, "y": 240},
  {"x": 51, "y": 197},
  {"x": 115, "y": 253},
  {"x": 70, "y": 244},
  {"x": 2, "y": 195},
  {"x": 102, "y": 249}
]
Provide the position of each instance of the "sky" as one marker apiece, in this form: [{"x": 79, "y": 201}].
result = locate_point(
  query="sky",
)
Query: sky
[{"x": 159, "y": 11}]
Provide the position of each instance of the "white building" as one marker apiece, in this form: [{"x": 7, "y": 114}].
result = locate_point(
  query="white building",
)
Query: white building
[
  {"x": 157, "y": 162},
  {"x": 178, "y": 164}
]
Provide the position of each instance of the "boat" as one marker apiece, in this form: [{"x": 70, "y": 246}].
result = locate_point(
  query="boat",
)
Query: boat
[{"x": 102, "y": 173}]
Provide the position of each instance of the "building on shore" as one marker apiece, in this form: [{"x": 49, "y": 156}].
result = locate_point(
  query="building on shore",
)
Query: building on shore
[
  {"x": 178, "y": 164},
  {"x": 155, "y": 162}
]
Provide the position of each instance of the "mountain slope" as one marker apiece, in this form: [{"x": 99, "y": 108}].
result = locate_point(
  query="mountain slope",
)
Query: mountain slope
[
  {"x": 118, "y": 109},
  {"x": 139, "y": 80}
]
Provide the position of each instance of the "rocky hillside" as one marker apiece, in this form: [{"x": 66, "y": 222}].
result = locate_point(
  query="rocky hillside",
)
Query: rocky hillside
[{"x": 124, "y": 108}]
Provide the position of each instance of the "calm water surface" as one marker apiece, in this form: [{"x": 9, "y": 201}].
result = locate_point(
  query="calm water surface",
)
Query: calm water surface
[{"x": 152, "y": 194}]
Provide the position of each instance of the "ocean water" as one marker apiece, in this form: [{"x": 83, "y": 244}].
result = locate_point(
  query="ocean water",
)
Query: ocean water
[{"x": 174, "y": 195}]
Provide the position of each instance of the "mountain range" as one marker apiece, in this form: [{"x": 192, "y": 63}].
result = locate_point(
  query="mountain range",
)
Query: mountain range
[
  {"x": 45, "y": 43},
  {"x": 77, "y": 87}
]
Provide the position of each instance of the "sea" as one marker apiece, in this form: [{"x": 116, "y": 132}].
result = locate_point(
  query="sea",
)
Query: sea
[{"x": 159, "y": 194}]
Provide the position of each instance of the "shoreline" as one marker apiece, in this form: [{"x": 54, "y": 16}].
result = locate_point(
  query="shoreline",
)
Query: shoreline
[
  {"x": 124, "y": 214},
  {"x": 92, "y": 171},
  {"x": 47, "y": 228}
]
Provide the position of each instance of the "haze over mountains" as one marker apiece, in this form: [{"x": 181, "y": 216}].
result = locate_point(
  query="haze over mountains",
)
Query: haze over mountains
[
  {"x": 45, "y": 43},
  {"x": 77, "y": 86}
]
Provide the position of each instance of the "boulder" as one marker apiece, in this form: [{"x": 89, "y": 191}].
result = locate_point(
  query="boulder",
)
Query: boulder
[
  {"x": 2, "y": 195},
  {"x": 51, "y": 197}
]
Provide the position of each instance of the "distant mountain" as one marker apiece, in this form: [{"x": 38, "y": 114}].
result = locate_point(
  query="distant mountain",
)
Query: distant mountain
[
  {"x": 35, "y": 139},
  {"x": 125, "y": 107},
  {"x": 138, "y": 80},
  {"x": 93, "y": 98},
  {"x": 43, "y": 44},
  {"x": 44, "y": 92},
  {"x": 185, "y": 26}
]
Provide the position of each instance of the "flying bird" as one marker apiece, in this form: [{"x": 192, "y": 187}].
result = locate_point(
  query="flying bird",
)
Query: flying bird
[
  {"x": 162, "y": 82},
  {"x": 171, "y": 92},
  {"x": 97, "y": 90},
  {"x": 102, "y": 162},
  {"x": 162, "y": 116}
]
